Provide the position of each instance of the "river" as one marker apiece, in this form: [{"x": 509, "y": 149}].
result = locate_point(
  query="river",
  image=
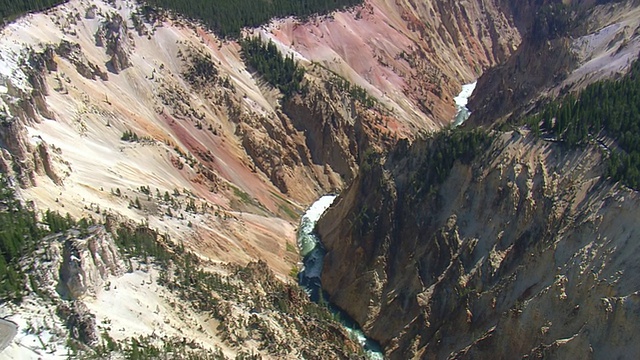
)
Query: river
[
  {"x": 312, "y": 254},
  {"x": 462, "y": 100}
]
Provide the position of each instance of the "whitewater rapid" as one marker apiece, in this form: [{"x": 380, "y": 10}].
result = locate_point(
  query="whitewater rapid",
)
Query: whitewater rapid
[
  {"x": 313, "y": 254},
  {"x": 307, "y": 239},
  {"x": 461, "y": 101}
]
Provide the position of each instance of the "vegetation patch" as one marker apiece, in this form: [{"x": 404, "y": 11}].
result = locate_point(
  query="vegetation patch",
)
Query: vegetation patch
[
  {"x": 604, "y": 109},
  {"x": 129, "y": 136},
  {"x": 12, "y": 9},
  {"x": 279, "y": 71},
  {"x": 356, "y": 92},
  {"x": 443, "y": 150},
  {"x": 20, "y": 233},
  {"x": 200, "y": 71},
  {"x": 288, "y": 211},
  {"x": 228, "y": 17},
  {"x": 154, "y": 347},
  {"x": 253, "y": 287}
]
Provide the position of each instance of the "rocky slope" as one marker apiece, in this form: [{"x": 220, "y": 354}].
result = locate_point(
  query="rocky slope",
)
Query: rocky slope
[
  {"x": 410, "y": 56},
  {"x": 88, "y": 300},
  {"x": 79, "y": 78},
  {"x": 110, "y": 113},
  {"x": 526, "y": 251},
  {"x": 106, "y": 109},
  {"x": 523, "y": 249},
  {"x": 562, "y": 51},
  {"x": 109, "y": 116}
]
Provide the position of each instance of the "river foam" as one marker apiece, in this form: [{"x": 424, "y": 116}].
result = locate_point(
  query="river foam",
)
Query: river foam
[
  {"x": 313, "y": 253},
  {"x": 461, "y": 101}
]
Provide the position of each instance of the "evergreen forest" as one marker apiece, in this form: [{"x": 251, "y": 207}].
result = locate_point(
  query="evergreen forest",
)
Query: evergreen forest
[
  {"x": 608, "y": 108},
  {"x": 228, "y": 17},
  {"x": 429, "y": 160},
  {"x": 225, "y": 17},
  {"x": 444, "y": 149},
  {"x": 281, "y": 72},
  {"x": 19, "y": 234},
  {"x": 12, "y": 9}
]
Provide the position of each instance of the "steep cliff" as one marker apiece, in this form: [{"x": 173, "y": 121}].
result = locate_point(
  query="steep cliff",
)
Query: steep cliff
[
  {"x": 410, "y": 56},
  {"x": 515, "y": 250},
  {"x": 24, "y": 106},
  {"x": 96, "y": 115},
  {"x": 565, "y": 46},
  {"x": 524, "y": 251},
  {"x": 98, "y": 99}
]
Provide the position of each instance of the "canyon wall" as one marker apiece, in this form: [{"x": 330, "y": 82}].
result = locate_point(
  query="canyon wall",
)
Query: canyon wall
[
  {"x": 104, "y": 112},
  {"x": 410, "y": 56},
  {"x": 563, "y": 49},
  {"x": 104, "y": 105},
  {"x": 154, "y": 120},
  {"x": 524, "y": 251},
  {"x": 519, "y": 249}
]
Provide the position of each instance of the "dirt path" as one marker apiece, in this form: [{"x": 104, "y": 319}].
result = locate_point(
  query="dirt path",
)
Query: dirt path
[{"x": 8, "y": 331}]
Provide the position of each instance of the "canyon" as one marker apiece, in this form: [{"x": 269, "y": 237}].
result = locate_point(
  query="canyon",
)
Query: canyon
[
  {"x": 522, "y": 252},
  {"x": 151, "y": 122},
  {"x": 522, "y": 249}
]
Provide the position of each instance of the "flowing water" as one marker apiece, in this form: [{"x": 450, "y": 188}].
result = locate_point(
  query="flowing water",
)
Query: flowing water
[
  {"x": 461, "y": 100},
  {"x": 313, "y": 253}
]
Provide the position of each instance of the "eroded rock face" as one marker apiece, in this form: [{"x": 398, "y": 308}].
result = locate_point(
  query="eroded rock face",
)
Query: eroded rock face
[
  {"x": 329, "y": 128},
  {"x": 29, "y": 103},
  {"x": 65, "y": 268},
  {"x": 524, "y": 252},
  {"x": 563, "y": 49},
  {"x": 74, "y": 54},
  {"x": 87, "y": 260},
  {"x": 290, "y": 306},
  {"x": 412, "y": 56},
  {"x": 509, "y": 87},
  {"x": 79, "y": 320},
  {"x": 319, "y": 135},
  {"x": 113, "y": 36},
  {"x": 17, "y": 158},
  {"x": 27, "y": 106}
]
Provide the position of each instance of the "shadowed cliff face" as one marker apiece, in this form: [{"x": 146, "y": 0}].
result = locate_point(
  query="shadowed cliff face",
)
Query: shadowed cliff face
[
  {"x": 564, "y": 48},
  {"x": 523, "y": 251},
  {"x": 508, "y": 88}
]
